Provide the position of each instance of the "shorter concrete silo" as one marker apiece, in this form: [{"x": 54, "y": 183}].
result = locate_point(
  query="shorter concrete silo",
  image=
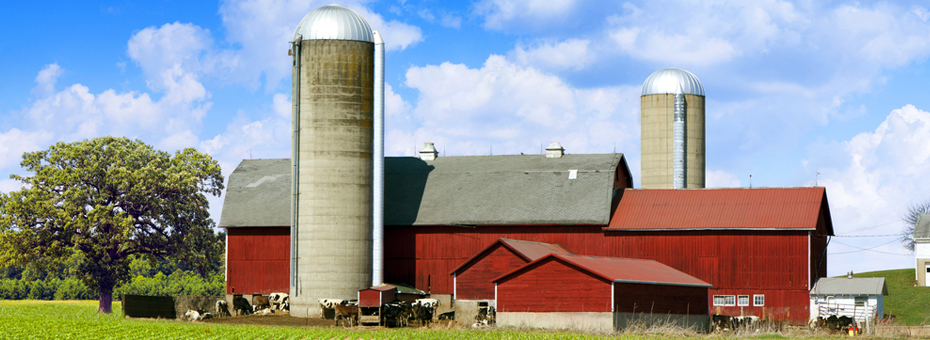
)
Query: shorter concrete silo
[{"x": 659, "y": 117}]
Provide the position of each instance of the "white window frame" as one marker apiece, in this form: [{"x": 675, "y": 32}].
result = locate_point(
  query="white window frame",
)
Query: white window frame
[
  {"x": 727, "y": 300},
  {"x": 742, "y": 300},
  {"x": 758, "y": 300}
]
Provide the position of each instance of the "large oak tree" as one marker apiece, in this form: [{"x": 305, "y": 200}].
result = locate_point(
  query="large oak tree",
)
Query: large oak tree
[{"x": 108, "y": 199}]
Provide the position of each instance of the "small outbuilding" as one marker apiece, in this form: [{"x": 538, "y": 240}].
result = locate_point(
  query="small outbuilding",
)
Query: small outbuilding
[
  {"x": 922, "y": 250},
  {"x": 472, "y": 287},
  {"x": 599, "y": 293},
  {"x": 859, "y": 298}
]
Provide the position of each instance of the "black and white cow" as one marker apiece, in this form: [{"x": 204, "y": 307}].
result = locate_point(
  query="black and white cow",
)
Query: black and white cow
[{"x": 279, "y": 301}]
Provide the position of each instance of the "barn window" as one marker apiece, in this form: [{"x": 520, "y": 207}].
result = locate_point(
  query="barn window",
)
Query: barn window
[
  {"x": 743, "y": 300},
  {"x": 758, "y": 300},
  {"x": 724, "y": 300}
]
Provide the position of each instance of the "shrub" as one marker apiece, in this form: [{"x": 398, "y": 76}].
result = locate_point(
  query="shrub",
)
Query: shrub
[{"x": 74, "y": 289}]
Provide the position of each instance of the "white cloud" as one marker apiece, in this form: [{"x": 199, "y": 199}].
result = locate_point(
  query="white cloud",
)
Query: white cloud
[
  {"x": 15, "y": 142},
  {"x": 721, "y": 179},
  {"x": 449, "y": 20},
  {"x": 512, "y": 109},
  {"x": 871, "y": 179},
  {"x": 500, "y": 13},
  {"x": 45, "y": 81},
  {"x": 569, "y": 54}
]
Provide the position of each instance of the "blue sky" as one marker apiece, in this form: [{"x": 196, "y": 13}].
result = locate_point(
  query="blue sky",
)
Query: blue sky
[{"x": 793, "y": 89}]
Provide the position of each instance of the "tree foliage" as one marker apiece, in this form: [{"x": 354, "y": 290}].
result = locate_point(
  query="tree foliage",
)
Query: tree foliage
[
  {"x": 106, "y": 200},
  {"x": 910, "y": 221}
]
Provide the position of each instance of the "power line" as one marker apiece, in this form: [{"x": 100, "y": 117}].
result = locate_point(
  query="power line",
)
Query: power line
[
  {"x": 887, "y": 235},
  {"x": 874, "y": 226},
  {"x": 868, "y": 249}
]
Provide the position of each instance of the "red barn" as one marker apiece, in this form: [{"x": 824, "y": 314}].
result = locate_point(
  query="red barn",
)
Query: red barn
[
  {"x": 256, "y": 216},
  {"x": 472, "y": 279},
  {"x": 595, "y": 292},
  {"x": 760, "y": 248}
]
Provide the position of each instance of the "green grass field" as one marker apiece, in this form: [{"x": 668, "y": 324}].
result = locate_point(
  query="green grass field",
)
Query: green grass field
[
  {"x": 910, "y": 304},
  {"x": 79, "y": 320}
]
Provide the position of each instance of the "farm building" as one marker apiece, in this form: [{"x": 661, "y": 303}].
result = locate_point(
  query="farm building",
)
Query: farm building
[
  {"x": 922, "y": 249},
  {"x": 471, "y": 281},
  {"x": 256, "y": 216},
  {"x": 601, "y": 293},
  {"x": 859, "y": 298},
  {"x": 761, "y": 249}
]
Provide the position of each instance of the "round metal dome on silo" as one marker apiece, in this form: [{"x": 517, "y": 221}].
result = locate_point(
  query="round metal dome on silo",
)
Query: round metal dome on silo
[
  {"x": 667, "y": 81},
  {"x": 334, "y": 22}
]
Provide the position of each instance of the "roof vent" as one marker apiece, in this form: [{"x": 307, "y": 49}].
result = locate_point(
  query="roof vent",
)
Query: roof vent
[
  {"x": 428, "y": 152},
  {"x": 555, "y": 150}
]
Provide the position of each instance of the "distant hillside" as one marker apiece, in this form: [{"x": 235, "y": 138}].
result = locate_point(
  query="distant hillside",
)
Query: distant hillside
[{"x": 910, "y": 304}]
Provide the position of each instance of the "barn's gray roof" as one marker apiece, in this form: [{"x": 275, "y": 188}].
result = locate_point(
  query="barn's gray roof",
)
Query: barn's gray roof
[
  {"x": 460, "y": 190},
  {"x": 258, "y": 194},
  {"x": 846, "y": 286},
  {"x": 499, "y": 190},
  {"x": 922, "y": 229}
]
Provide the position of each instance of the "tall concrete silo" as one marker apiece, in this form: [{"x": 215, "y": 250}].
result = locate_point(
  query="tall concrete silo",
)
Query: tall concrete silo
[
  {"x": 672, "y": 130},
  {"x": 333, "y": 93}
]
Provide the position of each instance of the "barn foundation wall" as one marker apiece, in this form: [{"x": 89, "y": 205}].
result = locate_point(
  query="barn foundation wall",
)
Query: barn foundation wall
[{"x": 579, "y": 321}]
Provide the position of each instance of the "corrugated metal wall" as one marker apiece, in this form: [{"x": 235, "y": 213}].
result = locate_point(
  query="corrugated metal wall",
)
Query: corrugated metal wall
[
  {"x": 474, "y": 282},
  {"x": 730, "y": 260},
  {"x": 551, "y": 286},
  {"x": 258, "y": 260}
]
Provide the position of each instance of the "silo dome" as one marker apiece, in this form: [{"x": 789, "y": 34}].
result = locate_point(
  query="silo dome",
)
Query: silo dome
[
  {"x": 334, "y": 22},
  {"x": 667, "y": 81}
]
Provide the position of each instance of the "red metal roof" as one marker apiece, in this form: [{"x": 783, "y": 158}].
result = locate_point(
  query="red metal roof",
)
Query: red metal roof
[
  {"x": 528, "y": 250},
  {"x": 763, "y": 208},
  {"x": 618, "y": 269}
]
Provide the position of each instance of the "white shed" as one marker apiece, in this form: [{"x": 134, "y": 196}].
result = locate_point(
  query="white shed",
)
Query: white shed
[{"x": 859, "y": 298}]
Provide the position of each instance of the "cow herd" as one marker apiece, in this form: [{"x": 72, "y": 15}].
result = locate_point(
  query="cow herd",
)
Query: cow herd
[{"x": 392, "y": 314}]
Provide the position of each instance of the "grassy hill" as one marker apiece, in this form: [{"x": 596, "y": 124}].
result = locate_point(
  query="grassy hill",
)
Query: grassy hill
[{"x": 910, "y": 304}]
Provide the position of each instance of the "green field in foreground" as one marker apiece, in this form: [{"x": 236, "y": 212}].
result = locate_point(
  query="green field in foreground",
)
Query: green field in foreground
[{"x": 79, "y": 320}]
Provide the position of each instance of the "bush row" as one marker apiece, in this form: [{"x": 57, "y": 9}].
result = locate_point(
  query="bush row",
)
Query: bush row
[
  {"x": 179, "y": 283},
  {"x": 49, "y": 289}
]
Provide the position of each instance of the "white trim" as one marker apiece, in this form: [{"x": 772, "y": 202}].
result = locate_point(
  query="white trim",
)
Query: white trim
[
  {"x": 495, "y": 294},
  {"x": 454, "y": 286},
  {"x": 612, "y": 293}
]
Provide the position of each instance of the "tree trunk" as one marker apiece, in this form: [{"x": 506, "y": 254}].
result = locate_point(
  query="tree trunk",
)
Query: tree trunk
[{"x": 106, "y": 300}]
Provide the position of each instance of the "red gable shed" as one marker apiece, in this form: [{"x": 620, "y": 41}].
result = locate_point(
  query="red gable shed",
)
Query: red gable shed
[
  {"x": 472, "y": 279},
  {"x": 560, "y": 283}
]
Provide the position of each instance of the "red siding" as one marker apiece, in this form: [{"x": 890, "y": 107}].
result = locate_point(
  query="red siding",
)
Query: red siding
[
  {"x": 474, "y": 282},
  {"x": 660, "y": 299},
  {"x": 258, "y": 260},
  {"x": 552, "y": 286},
  {"x": 728, "y": 259}
]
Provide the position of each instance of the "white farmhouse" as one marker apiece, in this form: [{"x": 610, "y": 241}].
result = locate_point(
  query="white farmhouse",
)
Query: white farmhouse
[
  {"x": 859, "y": 298},
  {"x": 922, "y": 250}
]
